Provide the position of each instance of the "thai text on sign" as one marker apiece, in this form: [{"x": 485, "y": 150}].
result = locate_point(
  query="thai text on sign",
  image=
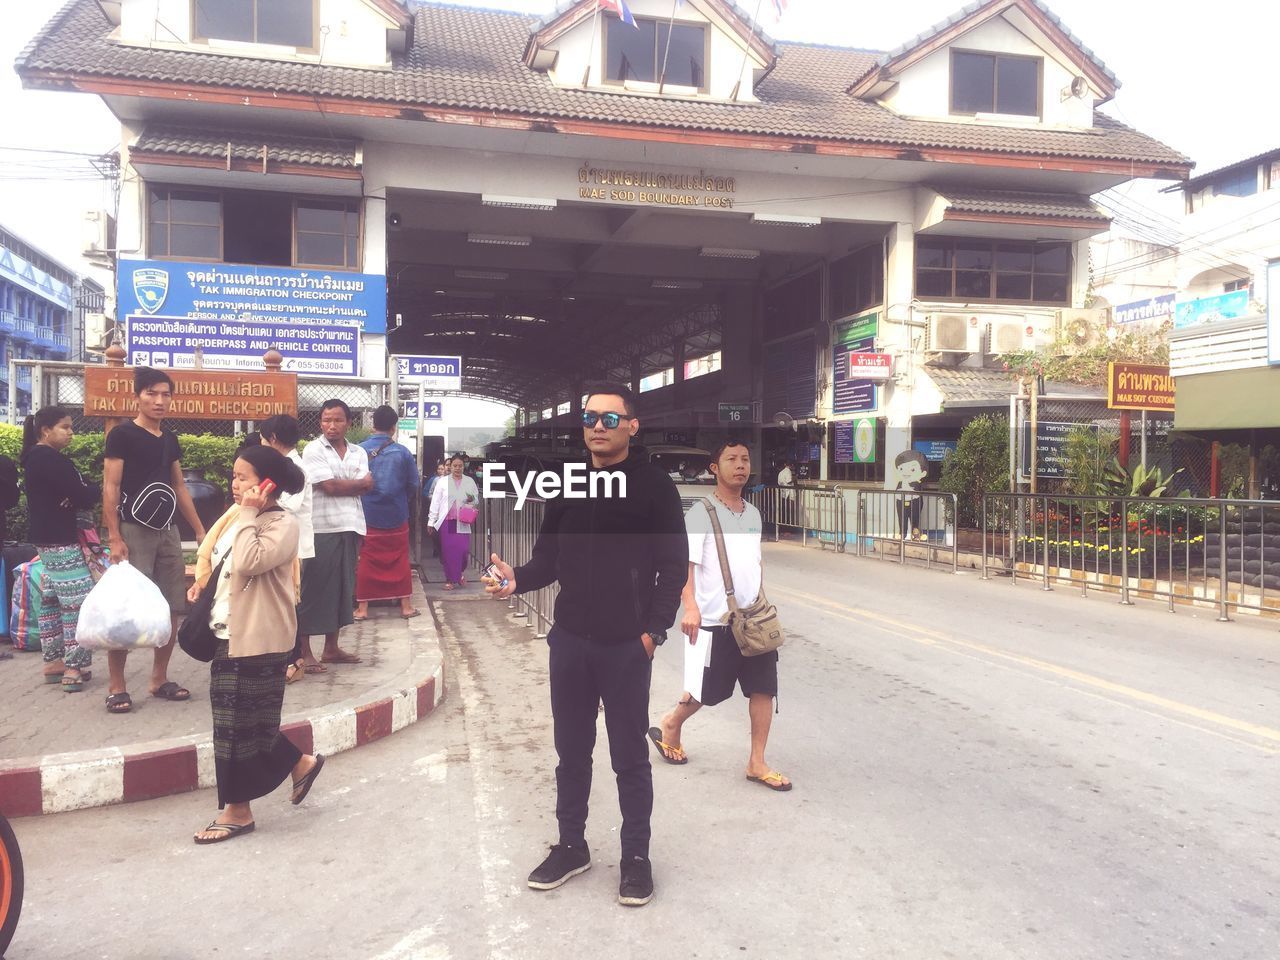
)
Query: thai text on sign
[
  {"x": 1139, "y": 386},
  {"x": 197, "y": 394}
]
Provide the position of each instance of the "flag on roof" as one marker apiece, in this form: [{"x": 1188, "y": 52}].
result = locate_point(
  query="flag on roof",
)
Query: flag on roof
[
  {"x": 622, "y": 10},
  {"x": 779, "y": 8}
]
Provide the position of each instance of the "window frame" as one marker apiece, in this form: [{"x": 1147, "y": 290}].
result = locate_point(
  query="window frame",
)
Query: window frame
[
  {"x": 355, "y": 205},
  {"x": 313, "y": 48},
  {"x": 995, "y": 84},
  {"x": 612, "y": 21},
  {"x": 149, "y": 238},
  {"x": 1031, "y": 246}
]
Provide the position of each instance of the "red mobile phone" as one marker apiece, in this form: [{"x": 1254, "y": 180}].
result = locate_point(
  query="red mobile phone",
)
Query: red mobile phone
[{"x": 266, "y": 486}]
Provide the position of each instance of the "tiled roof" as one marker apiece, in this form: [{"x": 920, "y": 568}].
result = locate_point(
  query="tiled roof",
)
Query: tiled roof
[
  {"x": 301, "y": 151},
  {"x": 470, "y": 59},
  {"x": 980, "y": 387},
  {"x": 1200, "y": 180},
  {"x": 1020, "y": 204}
]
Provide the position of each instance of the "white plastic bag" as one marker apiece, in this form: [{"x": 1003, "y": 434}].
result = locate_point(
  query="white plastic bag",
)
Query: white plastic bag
[{"x": 123, "y": 611}]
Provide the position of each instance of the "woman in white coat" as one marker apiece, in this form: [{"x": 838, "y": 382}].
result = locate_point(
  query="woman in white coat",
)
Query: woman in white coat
[{"x": 455, "y": 504}]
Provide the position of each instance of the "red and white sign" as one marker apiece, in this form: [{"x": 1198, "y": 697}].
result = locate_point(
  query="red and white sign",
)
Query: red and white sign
[{"x": 870, "y": 366}]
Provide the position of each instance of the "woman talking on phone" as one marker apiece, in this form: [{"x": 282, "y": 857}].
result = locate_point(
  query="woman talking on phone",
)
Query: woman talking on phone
[{"x": 252, "y": 619}]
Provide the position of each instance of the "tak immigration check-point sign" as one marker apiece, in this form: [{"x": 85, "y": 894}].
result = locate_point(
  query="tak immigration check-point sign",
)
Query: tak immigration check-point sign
[
  {"x": 197, "y": 394},
  {"x": 436, "y": 374}
]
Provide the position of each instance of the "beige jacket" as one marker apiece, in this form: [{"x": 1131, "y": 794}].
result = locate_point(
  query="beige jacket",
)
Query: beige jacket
[
  {"x": 263, "y": 618},
  {"x": 204, "y": 555}
]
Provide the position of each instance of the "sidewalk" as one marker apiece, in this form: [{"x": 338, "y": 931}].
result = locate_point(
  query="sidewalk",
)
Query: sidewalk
[{"x": 62, "y": 751}]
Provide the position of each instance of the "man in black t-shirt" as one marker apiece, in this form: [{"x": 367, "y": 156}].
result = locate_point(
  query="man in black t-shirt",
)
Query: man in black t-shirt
[{"x": 142, "y": 488}]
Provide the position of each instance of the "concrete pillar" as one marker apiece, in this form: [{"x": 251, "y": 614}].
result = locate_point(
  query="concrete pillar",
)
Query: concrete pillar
[{"x": 896, "y": 403}]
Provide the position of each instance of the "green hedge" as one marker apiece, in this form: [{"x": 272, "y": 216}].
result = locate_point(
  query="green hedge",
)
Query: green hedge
[{"x": 210, "y": 456}]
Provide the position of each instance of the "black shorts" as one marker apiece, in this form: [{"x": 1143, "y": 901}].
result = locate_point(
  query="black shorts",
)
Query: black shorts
[{"x": 728, "y": 666}]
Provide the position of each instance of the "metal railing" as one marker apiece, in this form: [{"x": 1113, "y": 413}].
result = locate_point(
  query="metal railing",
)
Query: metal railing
[
  {"x": 511, "y": 534},
  {"x": 812, "y": 512},
  {"x": 903, "y": 525},
  {"x": 1220, "y": 552}
]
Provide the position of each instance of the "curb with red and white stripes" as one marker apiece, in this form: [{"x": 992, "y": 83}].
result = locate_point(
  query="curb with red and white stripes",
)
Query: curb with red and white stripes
[{"x": 143, "y": 771}]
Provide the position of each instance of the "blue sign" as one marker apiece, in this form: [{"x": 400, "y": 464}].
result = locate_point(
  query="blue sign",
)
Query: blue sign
[
  {"x": 1153, "y": 308},
  {"x": 934, "y": 451},
  {"x": 229, "y": 291},
  {"x": 435, "y": 373},
  {"x": 857, "y": 335},
  {"x": 1226, "y": 306},
  {"x": 159, "y": 341},
  {"x": 435, "y": 410}
]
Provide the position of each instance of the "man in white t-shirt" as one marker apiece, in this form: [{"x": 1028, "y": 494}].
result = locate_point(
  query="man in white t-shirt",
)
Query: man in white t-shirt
[{"x": 713, "y": 662}]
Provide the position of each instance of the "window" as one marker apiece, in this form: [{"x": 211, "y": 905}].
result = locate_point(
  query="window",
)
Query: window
[
  {"x": 258, "y": 227},
  {"x": 969, "y": 270},
  {"x": 640, "y": 53},
  {"x": 289, "y": 23},
  {"x": 857, "y": 281},
  {"x": 328, "y": 233},
  {"x": 185, "y": 224},
  {"x": 994, "y": 83},
  {"x": 1231, "y": 286}
]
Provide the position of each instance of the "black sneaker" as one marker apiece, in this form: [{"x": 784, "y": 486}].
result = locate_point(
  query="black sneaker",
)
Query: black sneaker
[
  {"x": 564, "y": 862},
  {"x": 636, "y": 888}
]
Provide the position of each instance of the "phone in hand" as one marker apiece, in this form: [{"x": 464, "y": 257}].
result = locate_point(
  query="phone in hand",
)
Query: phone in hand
[
  {"x": 493, "y": 576},
  {"x": 266, "y": 487}
]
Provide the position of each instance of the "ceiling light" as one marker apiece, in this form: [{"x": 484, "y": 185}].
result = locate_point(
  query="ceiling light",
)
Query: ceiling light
[
  {"x": 779, "y": 219},
  {"x": 729, "y": 253},
  {"x": 481, "y": 274},
  {"x": 498, "y": 239},
  {"x": 677, "y": 284},
  {"x": 517, "y": 203}
]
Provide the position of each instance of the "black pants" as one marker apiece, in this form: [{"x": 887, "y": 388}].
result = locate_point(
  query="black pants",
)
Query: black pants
[
  {"x": 582, "y": 675},
  {"x": 909, "y": 516}
]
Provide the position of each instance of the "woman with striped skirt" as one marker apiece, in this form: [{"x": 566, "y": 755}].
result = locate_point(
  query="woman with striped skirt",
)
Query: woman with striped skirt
[{"x": 254, "y": 621}]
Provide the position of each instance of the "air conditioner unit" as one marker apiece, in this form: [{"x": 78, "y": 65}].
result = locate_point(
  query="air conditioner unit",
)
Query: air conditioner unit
[
  {"x": 99, "y": 234},
  {"x": 954, "y": 333},
  {"x": 96, "y": 328},
  {"x": 1011, "y": 335},
  {"x": 1082, "y": 329}
]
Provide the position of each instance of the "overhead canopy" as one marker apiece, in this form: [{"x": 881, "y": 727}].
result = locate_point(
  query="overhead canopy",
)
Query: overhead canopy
[{"x": 1232, "y": 400}]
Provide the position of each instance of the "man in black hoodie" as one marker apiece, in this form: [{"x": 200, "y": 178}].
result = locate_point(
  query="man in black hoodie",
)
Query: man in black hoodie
[{"x": 621, "y": 565}]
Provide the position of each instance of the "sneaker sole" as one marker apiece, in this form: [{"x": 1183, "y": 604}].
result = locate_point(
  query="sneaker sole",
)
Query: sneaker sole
[
  {"x": 535, "y": 885},
  {"x": 634, "y": 901}
]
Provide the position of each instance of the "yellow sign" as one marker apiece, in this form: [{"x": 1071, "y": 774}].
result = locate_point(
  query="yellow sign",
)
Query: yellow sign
[
  {"x": 197, "y": 394},
  {"x": 667, "y": 189},
  {"x": 1139, "y": 386}
]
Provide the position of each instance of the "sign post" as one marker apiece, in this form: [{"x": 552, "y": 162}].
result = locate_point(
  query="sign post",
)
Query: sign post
[
  {"x": 734, "y": 414},
  {"x": 437, "y": 374}
]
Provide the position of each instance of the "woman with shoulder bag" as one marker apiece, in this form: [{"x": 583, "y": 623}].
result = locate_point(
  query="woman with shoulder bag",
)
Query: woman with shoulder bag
[
  {"x": 253, "y": 621},
  {"x": 454, "y": 508},
  {"x": 55, "y": 490}
]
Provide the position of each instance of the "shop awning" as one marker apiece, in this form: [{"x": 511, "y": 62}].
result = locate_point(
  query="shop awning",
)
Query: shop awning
[{"x": 1231, "y": 400}]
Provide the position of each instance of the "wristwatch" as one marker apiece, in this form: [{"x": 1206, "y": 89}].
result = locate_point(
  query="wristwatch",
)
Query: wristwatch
[{"x": 656, "y": 637}]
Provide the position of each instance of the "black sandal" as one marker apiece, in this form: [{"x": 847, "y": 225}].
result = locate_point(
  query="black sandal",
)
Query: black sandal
[
  {"x": 228, "y": 831},
  {"x": 305, "y": 783},
  {"x": 171, "y": 691},
  {"x": 119, "y": 703}
]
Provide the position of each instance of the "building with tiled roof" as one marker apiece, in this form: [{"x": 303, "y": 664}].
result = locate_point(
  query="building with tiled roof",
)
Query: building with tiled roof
[{"x": 687, "y": 205}]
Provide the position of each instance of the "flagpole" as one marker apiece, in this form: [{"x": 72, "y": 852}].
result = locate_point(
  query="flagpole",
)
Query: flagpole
[
  {"x": 662, "y": 77},
  {"x": 746, "y": 52},
  {"x": 591, "y": 51}
]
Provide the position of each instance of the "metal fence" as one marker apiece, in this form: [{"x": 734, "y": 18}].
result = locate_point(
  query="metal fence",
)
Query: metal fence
[
  {"x": 1220, "y": 552},
  {"x": 811, "y": 512},
  {"x": 511, "y": 534},
  {"x": 49, "y": 382},
  {"x": 908, "y": 525}
]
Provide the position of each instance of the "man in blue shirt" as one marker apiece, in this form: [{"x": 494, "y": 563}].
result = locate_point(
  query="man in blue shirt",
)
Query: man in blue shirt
[{"x": 383, "y": 570}]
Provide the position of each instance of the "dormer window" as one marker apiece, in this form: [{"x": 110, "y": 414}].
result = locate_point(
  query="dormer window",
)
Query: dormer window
[
  {"x": 286, "y": 23},
  {"x": 636, "y": 55},
  {"x": 995, "y": 83}
]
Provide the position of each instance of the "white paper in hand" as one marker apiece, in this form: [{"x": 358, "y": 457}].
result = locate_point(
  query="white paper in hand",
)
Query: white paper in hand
[{"x": 124, "y": 611}]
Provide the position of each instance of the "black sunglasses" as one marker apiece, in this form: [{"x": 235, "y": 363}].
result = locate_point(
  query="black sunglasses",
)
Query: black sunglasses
[{"x": 611, "y": 420}]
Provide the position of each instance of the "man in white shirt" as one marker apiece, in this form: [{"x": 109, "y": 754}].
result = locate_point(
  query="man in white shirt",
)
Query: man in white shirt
[
  {"x": 713, "y": 662},
  {"x": 339, "y": 476}
]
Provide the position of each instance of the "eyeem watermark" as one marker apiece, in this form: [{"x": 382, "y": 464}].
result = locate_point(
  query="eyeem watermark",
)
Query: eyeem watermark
[{"x": 573, "y": 482}]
